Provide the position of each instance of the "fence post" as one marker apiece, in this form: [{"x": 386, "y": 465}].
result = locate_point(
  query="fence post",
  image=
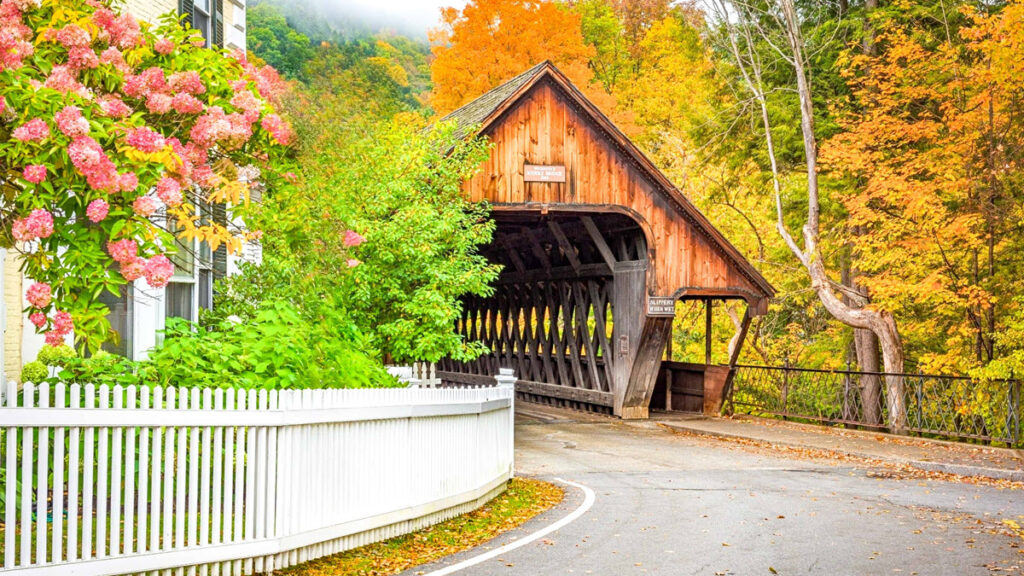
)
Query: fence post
[
  {"x": 1013, "y": 410},
  {"x": 506, "y": 380}
]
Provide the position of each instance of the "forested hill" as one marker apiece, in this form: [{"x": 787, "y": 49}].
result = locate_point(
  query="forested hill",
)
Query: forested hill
[
  {"x": 899, "y": 139},
  {"x": 312, "y": 42}
]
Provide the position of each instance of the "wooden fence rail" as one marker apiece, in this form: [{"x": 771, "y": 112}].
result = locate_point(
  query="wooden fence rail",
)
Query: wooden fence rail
[{"x": 100, "y": 480}]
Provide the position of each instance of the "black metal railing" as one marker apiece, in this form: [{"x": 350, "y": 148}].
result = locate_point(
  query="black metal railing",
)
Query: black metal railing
[{"x": 951, "y": 407}]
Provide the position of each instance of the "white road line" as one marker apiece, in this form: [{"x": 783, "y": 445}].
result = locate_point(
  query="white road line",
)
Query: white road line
[{"x": 588, "y": 501}]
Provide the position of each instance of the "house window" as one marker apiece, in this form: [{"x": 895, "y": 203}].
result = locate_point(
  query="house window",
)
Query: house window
[
  {"x": 121, "y": 320},
  {"x": 201, "y": 19},
  {"x": 178, "y": 300},
  {"x": 205, "y": 16}
]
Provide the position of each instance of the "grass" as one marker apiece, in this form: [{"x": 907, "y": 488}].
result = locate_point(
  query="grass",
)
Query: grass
[{"x": 524, "y": 499}]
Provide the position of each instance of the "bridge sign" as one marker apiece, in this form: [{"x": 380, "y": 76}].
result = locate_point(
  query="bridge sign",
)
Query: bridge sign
[{"x": 661, "y": 306}]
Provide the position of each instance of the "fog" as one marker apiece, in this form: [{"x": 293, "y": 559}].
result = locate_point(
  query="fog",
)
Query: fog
[{"x": 410, "y": 17}]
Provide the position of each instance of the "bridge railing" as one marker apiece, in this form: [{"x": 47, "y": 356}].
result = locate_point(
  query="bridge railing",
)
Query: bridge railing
[{"x": 951, "y": 407}]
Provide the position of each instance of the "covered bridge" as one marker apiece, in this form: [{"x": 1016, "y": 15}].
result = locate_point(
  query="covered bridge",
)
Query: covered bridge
[{"x": 597, "y": 245}]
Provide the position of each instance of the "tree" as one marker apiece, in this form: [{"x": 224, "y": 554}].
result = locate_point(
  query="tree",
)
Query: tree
[
  {"x": 790, "y": 46},
  {"x": 111, "y": 134},
  {"x": 490, "y": 41},
  {"x": 275, "y": 42},
  {"x": 933, "y": 144}
]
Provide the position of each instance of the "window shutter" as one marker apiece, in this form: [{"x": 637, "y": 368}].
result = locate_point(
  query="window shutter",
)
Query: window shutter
[
  {"x": 220, "y": 255},
  {"x": 187, "y": 8},
  {"x": 218, "y": 23}
]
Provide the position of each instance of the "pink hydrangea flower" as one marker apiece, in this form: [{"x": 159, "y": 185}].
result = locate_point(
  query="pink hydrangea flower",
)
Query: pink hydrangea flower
[
  {"x": 3, "y": 105},
  {"x": 352, "y": 262},
  {"x": 54, "y": 338},
  {"x": 123, "y": 250},
  {"x": 145, "y": 206},
  {"x": 158, "y": 103},
  {"x": 189, "y": 82},
  {"x": 156, "y": 79},
  {"x": 135, "y": 86},
  {"x": 34, "y": 173},
  {"x": 246, "y": 101},
  {"x": 169, "y": 191},
  {"x": 39, "y": 295},
  {"x": 146, "y": 140},
  {"x": 133, "y": 269},
  {"x": 352, "y": 238},
  {"x": 71, "y": 122},
  {"x": 89, "y": 158},
  {"x": 121, "y": 31},
  {"x": 113, "y": 57},
  {"x": 186, "y": 104},
  {"x": 72, "y": 35},
  {"x": 158, "y": 271},
  {"x": 128, "y": 182},
  {"x": 97, "y": 210},
  {"x": 113, "y": 107},
  {"x": 217, "y": 127},
  {"x": 37, "y": 318},
  {"x": 63, "y": 323},
  {"x": 164, "y": 46},
  {"x": 277, "y": 127},
  {"x": 62, "y": 78},
  {"x": 35, "y": 130},
  {"x": 38, "y": 224},
  {"x": 82, "y": 58}
]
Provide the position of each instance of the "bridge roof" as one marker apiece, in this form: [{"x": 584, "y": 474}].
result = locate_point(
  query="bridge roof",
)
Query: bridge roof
[{"x": 483, "y": 112}]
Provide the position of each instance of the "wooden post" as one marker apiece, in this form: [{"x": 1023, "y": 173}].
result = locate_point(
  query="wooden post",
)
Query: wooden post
[
  {"x": 707, "y": 331},
  {"x": 637, "y": 398},
  {"x": 629, "y": 296},
  {"x": 735, "y": 356},
  {"x": 669, "y": 375}
]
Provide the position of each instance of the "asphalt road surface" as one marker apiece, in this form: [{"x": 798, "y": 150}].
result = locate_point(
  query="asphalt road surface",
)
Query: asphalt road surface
[{"x": 677, "y": 505}]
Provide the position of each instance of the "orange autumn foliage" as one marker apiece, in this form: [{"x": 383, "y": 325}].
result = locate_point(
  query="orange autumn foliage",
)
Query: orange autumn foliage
[
  {"x": 490, "y": 41},
  {"x": 931, "y": 149}
]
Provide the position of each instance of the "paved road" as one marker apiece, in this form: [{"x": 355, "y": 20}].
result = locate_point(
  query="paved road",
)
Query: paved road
[{"x": 678, "y": 505}]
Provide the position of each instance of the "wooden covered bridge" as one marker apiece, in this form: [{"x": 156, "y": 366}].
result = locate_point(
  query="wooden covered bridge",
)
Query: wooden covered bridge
[{"x": 597, "y": 245}]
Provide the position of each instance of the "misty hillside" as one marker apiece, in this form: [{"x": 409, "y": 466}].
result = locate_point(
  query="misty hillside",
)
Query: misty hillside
[{"x": 320, "y": 42}]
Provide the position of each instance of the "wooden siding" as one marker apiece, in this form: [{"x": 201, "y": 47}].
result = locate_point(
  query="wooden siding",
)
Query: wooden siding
[{"x": 546, "y": 126}]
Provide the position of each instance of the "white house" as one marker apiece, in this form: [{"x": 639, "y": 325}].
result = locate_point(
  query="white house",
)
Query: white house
[{"x": 140, "y": 313}]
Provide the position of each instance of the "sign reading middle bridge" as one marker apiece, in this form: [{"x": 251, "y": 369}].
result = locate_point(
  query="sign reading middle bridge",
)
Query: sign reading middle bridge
[{"x": 543, "y": 173}]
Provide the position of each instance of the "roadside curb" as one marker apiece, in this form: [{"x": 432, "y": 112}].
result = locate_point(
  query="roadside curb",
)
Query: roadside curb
[{"x": 945, "y": 467}]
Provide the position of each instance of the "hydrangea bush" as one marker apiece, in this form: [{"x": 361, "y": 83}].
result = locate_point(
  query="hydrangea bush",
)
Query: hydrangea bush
[{"x": 112, "y": 133}]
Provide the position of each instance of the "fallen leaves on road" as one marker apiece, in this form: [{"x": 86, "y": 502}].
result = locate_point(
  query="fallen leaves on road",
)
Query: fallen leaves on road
[
  {"x": 524, "y": 499},
  {"x": 880, "y": 469}
]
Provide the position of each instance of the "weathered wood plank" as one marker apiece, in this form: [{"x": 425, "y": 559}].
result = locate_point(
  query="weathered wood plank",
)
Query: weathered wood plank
[{"x": 566, "y": 393}]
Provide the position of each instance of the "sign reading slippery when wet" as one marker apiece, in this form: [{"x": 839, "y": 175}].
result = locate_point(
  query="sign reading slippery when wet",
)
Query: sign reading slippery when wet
[
  {"x": 661, "y": 306},
  {"x": 543, "y": 173}
]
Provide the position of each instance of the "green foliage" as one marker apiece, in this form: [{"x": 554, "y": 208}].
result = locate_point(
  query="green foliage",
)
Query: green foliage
[
  {"x": 397, "y": 185},
  {"x": 271, "y": 39},
  {"x": 56, "y": 356},
  {"x": 34, "y": 372}
]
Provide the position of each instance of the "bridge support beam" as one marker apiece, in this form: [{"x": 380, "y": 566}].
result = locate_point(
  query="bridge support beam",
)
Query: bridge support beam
[{"x": 647, "y": 363}]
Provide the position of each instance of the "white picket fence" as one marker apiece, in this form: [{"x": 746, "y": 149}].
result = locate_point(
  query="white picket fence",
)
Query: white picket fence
[{"x": 162, "y": 481}]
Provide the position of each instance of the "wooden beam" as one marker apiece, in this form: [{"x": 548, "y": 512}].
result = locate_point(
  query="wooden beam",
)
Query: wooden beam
[
  {"x": 707, "y": 331},
  {"x": 564, "y": 243},
  {"x": 637, "y": 400},
  {"x": 513, "y": 255},
  {"x": 553, "y": 274},
  {"x": 538, "y": 250},
  {"x": 735, "y": 356},
  {"x": 565, "y": 392},
  {"x": 599, "y": 241}
]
